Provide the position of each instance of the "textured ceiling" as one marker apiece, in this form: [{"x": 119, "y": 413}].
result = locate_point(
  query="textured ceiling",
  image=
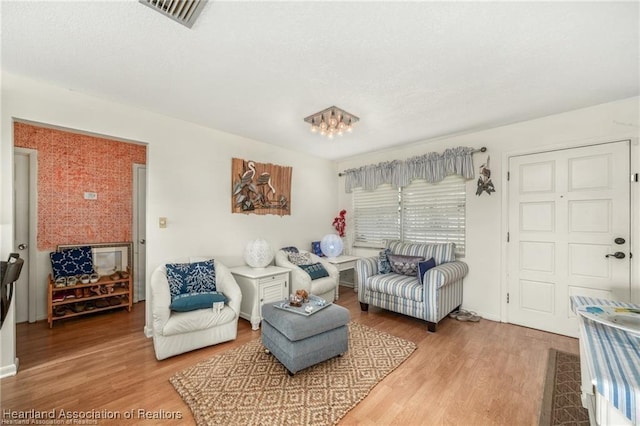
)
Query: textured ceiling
[{"x": 410, "y": 70}]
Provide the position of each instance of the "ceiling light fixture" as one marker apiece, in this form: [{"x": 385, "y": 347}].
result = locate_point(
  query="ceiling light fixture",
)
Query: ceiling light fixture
[{"x": 331, "y": 121}]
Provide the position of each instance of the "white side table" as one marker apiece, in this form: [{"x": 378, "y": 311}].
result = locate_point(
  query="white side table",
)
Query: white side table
[
  {"x": 344, "y": 263},
  {"x": 260, "y": 286}
]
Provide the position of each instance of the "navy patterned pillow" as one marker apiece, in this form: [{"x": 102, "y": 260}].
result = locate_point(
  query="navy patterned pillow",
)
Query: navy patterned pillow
[
  {"x": 315, "y": 248},
  {"x": 405, "y": 265},
  {"x": 315, "y": 270},
  {"x": 384, "y": 267},
  {"x": 74, "y": 261},
  {"x": 190, "y": 278},
  {"x": 290, "y": 249}
]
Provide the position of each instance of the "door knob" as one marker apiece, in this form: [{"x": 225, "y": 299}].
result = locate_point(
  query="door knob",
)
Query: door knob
[
  {"x": 142, "y": 241},
  {"x": 619, "y": 241},
  {"x": 22, "y": 246},
  {"x": 617, "y": 255}
]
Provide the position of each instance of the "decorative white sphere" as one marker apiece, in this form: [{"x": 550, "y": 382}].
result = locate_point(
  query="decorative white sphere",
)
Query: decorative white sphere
[
  {"x": 331, "y": 245},
  {"x": 258, "y": 253}
]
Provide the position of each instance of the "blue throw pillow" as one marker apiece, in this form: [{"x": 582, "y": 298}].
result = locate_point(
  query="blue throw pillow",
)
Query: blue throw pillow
[
  {"x": 69, "y": 262},
  {"x": 315, "y": 270},
  {"x": 315, "y": 248},
  {"x": 195, "y": 277},
  {"x": 193, "y": 301},
  {"x": 424, "y": 267},
  {"x": 384, "y": 266}
]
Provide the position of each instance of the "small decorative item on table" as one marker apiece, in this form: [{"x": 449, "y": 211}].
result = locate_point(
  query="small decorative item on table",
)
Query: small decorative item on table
[
  {"x": 296, "y": 305},
  {"x": 303, "y": 295},
  {"x": 295, "y": 300}
]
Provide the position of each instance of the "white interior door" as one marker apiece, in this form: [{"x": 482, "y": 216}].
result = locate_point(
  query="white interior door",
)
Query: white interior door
[
  {"x": 21, "y": 233},
  {"x": 139, "y": 231},
  {"x": 569, "y": 210}
]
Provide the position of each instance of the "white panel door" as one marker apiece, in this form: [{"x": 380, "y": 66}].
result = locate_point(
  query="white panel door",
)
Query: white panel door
[
  {"x": 21, "y": 233},
  {"x": 566, "y": 210},
  {"x": 139, "y": 232}
]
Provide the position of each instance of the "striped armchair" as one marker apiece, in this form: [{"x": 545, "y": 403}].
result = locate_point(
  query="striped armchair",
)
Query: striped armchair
[{"x": 440, "y": 294}]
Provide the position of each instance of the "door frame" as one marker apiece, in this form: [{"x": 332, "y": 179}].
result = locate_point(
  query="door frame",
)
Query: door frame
[
  {"x": 634, "y": 145},
  {"x": 32, "y": 251}
]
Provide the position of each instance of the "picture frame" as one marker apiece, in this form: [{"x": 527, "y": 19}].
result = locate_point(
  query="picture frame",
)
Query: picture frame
[
  {"x": 107, "y": 257},
  {"x": 260, "y": 188}
]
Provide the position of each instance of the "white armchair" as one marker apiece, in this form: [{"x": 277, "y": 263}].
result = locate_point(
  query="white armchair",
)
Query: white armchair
[
  {"x": 178, "y": 332},
  {"x": 325, "y": 287}
]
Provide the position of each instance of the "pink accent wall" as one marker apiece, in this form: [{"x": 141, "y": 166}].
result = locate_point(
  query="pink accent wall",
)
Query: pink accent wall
[{"x": 70, "y": 164}]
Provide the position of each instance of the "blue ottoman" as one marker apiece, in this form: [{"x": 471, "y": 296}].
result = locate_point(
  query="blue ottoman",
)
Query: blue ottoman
[{"x": 299, "y": 341}]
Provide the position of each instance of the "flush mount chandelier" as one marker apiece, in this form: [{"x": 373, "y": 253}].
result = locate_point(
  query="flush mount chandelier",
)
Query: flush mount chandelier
[{"x": 331, "y": 121}]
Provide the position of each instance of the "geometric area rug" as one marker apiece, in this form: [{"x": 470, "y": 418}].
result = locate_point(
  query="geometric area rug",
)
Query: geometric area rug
[
  {"x": 561, "y": 402},
  {"x": 246, "y": 386}
]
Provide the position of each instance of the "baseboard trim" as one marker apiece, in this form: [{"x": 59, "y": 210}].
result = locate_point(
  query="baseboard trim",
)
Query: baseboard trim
[
  {"x": 9, "y": 370},
  {"x": 488, "y": 317}
]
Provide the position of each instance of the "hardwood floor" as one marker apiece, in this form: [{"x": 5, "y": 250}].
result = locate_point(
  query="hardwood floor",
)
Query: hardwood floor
[{"x": 484, "y": 373}]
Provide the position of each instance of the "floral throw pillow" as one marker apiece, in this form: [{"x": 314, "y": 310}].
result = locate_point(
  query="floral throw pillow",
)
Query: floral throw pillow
[
  {"x": 190, "y": 278},
  {"x": 405, "y": 265},
  {"x": 300, "y": 258},
  {"x": 384, "y": 267}
]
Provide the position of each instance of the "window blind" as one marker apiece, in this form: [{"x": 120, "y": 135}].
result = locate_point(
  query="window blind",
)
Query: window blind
[
  {"x": 421, "y": 213},
  {"x": 376, "y": 216},
  {"x": 435, "y": 212}
]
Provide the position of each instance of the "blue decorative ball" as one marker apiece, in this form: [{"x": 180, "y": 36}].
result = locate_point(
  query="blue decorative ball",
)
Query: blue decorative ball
[{"x": 331, "y": 245}]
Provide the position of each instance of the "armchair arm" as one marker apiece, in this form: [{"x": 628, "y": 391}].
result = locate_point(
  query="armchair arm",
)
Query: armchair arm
[
  {"x": 365, "y": 267},
  {"x": 299, "y": 278},
  {"x": 444, "y": 274},
  {"x": 160, "y": 299},
  {"x": 228, "y": 285},
  {"x": 330, "y": 267}
]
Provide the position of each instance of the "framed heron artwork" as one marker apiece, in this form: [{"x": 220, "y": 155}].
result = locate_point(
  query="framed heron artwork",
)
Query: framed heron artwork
[{"x": 260, "y": 188}]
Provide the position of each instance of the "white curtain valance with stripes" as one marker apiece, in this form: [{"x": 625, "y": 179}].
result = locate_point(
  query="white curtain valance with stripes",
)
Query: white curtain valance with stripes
[{"x": 432, "y": 167}]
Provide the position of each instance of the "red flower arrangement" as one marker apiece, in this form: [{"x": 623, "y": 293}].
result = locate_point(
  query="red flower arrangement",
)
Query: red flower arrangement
[{"x": 339, "y": 222}]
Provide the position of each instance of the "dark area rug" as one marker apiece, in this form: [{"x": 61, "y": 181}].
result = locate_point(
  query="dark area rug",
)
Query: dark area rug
[{"x": 561, "y": 403}]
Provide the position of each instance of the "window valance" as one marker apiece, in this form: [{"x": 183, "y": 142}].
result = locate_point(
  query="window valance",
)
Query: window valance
[{"x": 432, "y": 167}]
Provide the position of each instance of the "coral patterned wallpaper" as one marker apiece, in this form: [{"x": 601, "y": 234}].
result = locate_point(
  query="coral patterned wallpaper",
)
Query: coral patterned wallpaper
[{"x": 70, "y": 164}]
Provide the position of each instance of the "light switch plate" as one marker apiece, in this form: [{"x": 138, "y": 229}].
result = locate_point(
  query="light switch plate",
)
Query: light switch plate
[{"x": 162, "y": 222}]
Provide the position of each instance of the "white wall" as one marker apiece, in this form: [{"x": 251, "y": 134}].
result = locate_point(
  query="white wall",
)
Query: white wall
[
  {"x": 484, "y": 287},
  {"x": 189, "y": 181}
]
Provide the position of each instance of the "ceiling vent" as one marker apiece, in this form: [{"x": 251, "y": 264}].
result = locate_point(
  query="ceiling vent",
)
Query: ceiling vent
[{"x": 182, "y": 11}]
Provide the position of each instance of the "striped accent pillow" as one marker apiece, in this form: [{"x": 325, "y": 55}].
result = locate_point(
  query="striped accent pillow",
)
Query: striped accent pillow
[{"x": 441, "y": 252}]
